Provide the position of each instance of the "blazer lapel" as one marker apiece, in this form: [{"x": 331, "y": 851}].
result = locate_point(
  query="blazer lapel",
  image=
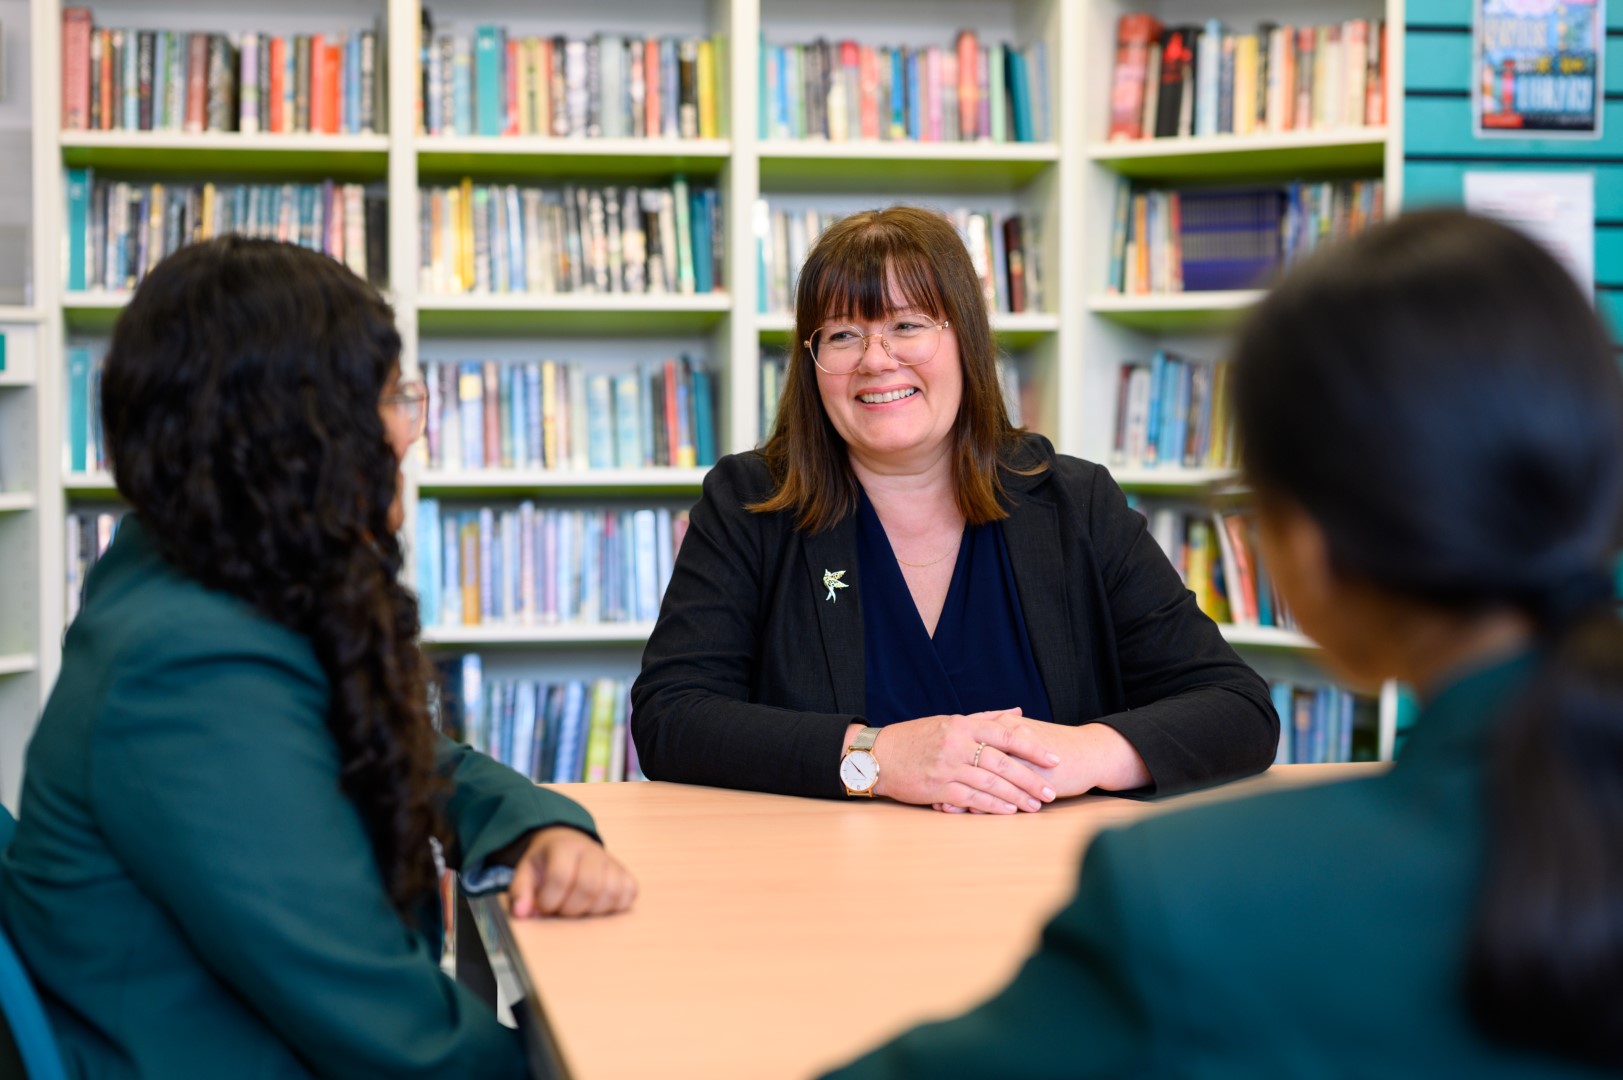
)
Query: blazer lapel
[
  {"x": 1032, "y": 532},
  {"x": 839, "y": 610}
]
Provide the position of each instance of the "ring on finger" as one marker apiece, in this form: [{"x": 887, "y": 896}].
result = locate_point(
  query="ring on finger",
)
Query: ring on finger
[{"x": 975, "y": 762}]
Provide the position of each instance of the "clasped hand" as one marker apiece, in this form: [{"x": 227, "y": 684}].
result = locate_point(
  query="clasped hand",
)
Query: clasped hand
[
  {"x": 562, "y": 871},
  {"x": 986, "y": 761}
]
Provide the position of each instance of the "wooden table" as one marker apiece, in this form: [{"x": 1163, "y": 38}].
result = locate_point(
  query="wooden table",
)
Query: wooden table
[{"x": 777, "y": 936}]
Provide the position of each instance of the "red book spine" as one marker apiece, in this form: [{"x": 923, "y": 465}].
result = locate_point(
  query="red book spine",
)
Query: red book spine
[
  {"x": 278, "y": 84},
  {"x": 75, "y": 69},
  {"x": 514, "y": 103},
  {"x": 333, "y": 76},
  {"x": 1134, "y": 33},
  {"x": 105, "y": 81},
  {"x": 870, "y": 92},
  {"x": 673, "y": 434},
  {"x": 318, "y": 83},
  {"x": 197, "y": 81}
]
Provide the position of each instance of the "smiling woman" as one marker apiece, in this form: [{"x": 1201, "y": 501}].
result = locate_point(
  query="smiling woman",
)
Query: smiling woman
[{"x": 904, "y": 595}]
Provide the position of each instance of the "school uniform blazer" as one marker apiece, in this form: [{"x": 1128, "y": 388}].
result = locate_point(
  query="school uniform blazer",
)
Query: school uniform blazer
[
  {"x": 1319, "y": 932},
  {"x": 191, "y": 889},
  {"x": 755, "y": 668}
]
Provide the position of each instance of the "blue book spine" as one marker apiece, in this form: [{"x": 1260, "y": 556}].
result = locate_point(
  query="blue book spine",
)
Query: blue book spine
[
  {"x": 428, "y": 561},
  {"x": 462, "y": 88},
  {"x": 132, "y": 82},
  {"x": 1176, "y": 433},
  {"x": 627, "y": 422},
  {"x": 1345, "y": 730},
  {"x": 1019, "y": 95},
  {"x": 599, "y": 423},
  {"x": 475, "y": 718},
  {"x": 701, "y": 229},
  {"x": 451, "y": 576},
  {"x": 470, "y": 393},
  {"x": 518, "y": 401},
  {"x": 1041, "y": 106},
  {"x": 488, "y": 82},
  {"x": 915, "y": 97},
  {"x": 571, "y": 734},
  {"x": 704, "y": 417},
  {"x": 78, "y": 185},
  {"x": 670, "y": 95},
  {"x": 532, "y": 393},
  {"x": 1280, "y": 694},
  {"x": 506, "y": 403},
  {"x": 1153, "y": 412},
  {"x": 78, "y": 407},
  {"x": 898, "y": 93}
]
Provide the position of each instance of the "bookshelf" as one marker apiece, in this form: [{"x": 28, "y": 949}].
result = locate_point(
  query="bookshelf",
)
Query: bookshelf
[{"x": 1066, "y": 351}]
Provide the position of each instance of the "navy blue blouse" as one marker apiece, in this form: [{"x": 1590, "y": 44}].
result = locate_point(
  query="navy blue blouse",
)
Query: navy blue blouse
[{"x": 980, "y": 657}]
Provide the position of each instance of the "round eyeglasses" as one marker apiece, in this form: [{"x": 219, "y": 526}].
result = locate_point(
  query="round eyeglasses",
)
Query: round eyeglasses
[
  {"x": 410, "y": 402},
  {"x": 909, "y": 340}
]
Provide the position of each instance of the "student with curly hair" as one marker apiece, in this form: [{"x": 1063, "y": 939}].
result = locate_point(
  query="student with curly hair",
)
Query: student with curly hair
[{"x": 223, "y": 863}]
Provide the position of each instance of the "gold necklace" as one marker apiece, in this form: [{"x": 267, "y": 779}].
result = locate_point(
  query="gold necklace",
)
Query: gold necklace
[{"x": 920, "y": 565}]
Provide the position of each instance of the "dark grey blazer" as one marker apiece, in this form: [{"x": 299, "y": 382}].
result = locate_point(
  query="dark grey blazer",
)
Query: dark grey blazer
[{"x": 752, "y": 674}]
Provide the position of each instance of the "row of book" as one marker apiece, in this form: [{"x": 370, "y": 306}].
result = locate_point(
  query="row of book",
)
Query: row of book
[
  {"x": 1178, "y": 81},
  {"x": 561, "y": 732},
  {"x": 1219, "y": 559},
  {"x": 1204, "y": 240},
  {"x": 606, "y": 86},
  {"x": 1001, "y": 246},
  {"x": 1317, "y": 724},
  {"x": 548, "y": 414},
  {"x": 542, "y": 566},
  {"x": 163, "y": 80},
  {"x": 964, "y": 92},
  {"x": 507, "y": 238},
  {"x": 118, "y": 230},
  {"x": 1173, "y": 412},
  {"x": 88, "y": 534}
]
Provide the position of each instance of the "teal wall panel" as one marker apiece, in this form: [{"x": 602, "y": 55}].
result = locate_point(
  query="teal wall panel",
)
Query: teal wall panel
[
  {"x": 1443, "y": 126},
  {"x": 1443, "y": 62},
  {"x": 1429, "y": 183}
]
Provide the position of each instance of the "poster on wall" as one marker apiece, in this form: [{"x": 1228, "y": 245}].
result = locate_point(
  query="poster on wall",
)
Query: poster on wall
[{"x": 1538, "y": 68}]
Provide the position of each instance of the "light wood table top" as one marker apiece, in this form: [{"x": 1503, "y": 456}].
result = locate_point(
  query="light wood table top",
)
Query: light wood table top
[{"x": 777, "y": 936}]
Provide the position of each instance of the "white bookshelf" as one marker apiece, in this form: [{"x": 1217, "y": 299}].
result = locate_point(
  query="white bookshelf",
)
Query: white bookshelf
[
  {"x": 18, "y": 664},
  {"x": 1069, "y": 349}
]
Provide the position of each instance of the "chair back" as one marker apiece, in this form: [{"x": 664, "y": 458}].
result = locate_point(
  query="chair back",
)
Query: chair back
[{"x": 27, "y": 1044}]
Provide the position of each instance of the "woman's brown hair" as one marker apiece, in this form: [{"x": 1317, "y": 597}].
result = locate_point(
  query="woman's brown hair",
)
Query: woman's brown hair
[{"x": 850, "y": 272}]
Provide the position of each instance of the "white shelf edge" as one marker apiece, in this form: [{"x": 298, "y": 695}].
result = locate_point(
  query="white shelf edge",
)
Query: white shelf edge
[
  {"x": 1224, "y": 300},
  {"x": 15, "y": 501},
  {"x": 11, "y": 313},
  {"x": 95, "y": 298},
  {"x": 1234, "y": 144},
  {"x": 1271, "y": 637},
  {"x": 96, "y": 481},
  {"x": 907, "y": 150},
  {"x": 18, "y": 663},
  {"x": 1139, "y": 477},
  {"x": 295, "y": 142},
  {"x": 581, "y": 301},
  {"x": 432, "y": 480},
  {"x": 630, "y": 633},
  {"x": 9, "y": 378},
  {"x": 575, "y": 146}
]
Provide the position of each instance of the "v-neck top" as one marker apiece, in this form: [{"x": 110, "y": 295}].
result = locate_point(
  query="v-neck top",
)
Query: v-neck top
[{"x": 980, "y": 657}]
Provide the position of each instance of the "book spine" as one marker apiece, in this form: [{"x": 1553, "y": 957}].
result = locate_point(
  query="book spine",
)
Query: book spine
[{"x": 76, "y": 34}]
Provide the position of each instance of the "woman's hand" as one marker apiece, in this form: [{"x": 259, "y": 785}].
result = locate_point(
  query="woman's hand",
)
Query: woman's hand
[
  {"x": 1093, "y": 756},
  {"x": 985, "y": 761},
  {"x": 562, "y": 871}
]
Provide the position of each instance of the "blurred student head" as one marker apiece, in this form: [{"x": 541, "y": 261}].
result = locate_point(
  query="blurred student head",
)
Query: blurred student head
[{"x": 1431, "y": 416}]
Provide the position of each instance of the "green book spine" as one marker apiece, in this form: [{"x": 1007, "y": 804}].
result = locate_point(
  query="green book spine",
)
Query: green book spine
[
  {"x": 684, "y": 236},
  {"x": 78, "y": 208},
  {"x": 78, "y": 407}
]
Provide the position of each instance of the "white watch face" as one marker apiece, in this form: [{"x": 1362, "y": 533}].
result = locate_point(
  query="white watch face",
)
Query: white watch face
[{"x": 859, "y": 770}]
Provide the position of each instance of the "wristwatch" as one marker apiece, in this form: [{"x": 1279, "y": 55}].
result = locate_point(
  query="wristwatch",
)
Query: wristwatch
[{"x": 859, "y": 772}]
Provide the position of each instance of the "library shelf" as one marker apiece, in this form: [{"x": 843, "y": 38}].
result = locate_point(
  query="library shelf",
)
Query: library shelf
[
  {"x": 15, "y": 378},
  {"x": 18, "y": 663},
  {"x": 229, "y": 153},
  {"x": 573, "y": 482},
  {"x": 1173, "y": 480},
  {"x": 901, "y": 166},
  {"x": 12, "y": 502},
  {"x": 1208, "y": 158},
  {"x": 626, "y": 633},
  {"x": 92, "y": 484},
  {"x": 541, "y": 157},
  {"x": 14, "y": 314},
  {"x": 507, "y": 314},
  {"x": 1266, "y": 637},
  {"x": 1170, "y": 313}
]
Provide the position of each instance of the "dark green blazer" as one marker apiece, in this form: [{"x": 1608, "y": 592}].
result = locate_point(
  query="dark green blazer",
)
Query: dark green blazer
[
  {"x": 1309, "y": 933},
  {"x": 191, "y": 890}
]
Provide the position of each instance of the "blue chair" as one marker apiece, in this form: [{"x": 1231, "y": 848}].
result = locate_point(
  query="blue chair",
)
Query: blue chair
[{"x": 26, "y": 1042}]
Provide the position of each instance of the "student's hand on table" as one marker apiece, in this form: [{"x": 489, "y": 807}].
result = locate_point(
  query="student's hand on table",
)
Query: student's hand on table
[
  {"x": 1092, "y": 756},
  {"x": 985, "y": 761},
  {"x": 562, "y": 871}
]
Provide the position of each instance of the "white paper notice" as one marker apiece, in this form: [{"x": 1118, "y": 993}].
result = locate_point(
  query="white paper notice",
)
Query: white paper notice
[{"x": 1555, "y": 208}]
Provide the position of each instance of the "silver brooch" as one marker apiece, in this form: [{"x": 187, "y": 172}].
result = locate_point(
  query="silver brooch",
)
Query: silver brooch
[{"x": 831, "y": 579}]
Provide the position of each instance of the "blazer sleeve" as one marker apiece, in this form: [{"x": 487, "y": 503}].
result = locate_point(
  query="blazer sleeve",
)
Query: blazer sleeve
[
  {"x": 217, "y": 787},
  {"x": 1085, "y": 1004},
  {"x": 691, "y": 711},
  {"x": 1197, "y": 714},
  {"x": 491, "y": 805}
]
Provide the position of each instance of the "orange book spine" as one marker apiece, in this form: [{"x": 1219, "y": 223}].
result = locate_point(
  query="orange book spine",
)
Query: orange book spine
[
  {"x": 969, "y": 105},
  {"x": 333, "y": 59},
  {"x": 869, "y": 78},
  {"x": 673, "y": 434},
  {"x": 277, "y": 84},
  {"x": 514, "y": 101},
  {"x": 651, "y": 76}
]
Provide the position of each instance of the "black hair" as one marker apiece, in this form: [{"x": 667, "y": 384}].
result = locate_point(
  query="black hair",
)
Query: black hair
[
  {"x": 240, "y": 400},
  {"x": 1441, "y": 398}
]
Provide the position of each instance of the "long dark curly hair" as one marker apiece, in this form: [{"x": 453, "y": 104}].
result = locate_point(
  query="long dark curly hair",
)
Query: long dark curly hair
[{"x": 240, "y": 401}]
